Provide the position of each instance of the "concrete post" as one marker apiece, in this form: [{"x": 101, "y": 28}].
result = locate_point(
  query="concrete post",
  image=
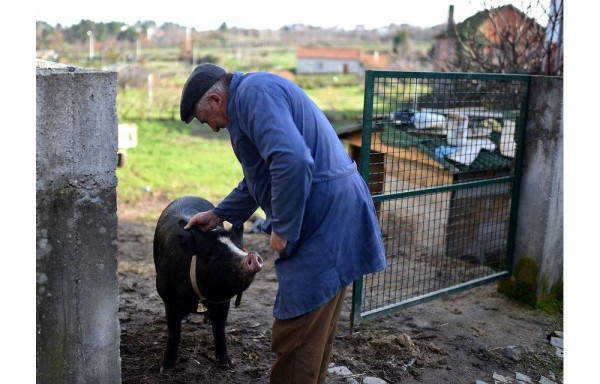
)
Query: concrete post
[
  {"x": 540, "y": 219},
  {"x": 77, "y": 328}
]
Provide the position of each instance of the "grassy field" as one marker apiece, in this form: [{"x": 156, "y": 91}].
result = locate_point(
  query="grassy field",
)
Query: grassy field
[{"x": 175, "y": 159}]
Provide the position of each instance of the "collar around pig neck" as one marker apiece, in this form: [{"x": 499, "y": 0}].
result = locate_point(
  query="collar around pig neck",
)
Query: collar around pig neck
[{"x": 197, "y": 290}]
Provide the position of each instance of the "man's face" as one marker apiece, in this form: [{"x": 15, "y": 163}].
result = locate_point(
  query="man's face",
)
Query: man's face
[{"x": 215, "y": 115}]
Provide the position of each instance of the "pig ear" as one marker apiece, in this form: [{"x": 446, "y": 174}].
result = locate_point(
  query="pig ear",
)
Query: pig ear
[
  {"x": 186, "y": 241},
  {"x": 237, "y": 234}
]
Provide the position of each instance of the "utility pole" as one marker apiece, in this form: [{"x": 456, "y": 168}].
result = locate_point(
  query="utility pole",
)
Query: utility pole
[{"x": 91, "y": 35}]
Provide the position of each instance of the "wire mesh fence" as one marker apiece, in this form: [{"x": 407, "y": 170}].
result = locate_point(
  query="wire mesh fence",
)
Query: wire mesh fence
[{"x": 440, "y": 154}]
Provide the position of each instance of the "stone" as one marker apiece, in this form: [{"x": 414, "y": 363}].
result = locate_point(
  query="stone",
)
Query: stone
[
  {"x": 340, "y": 370},
  {"x": 523, "y": 378},
  {"x": 557, "y": 342},
  {"x": 545, "y": 380},
  {"x": 513, "y": 353},
  {"x": 373, "y": 380},
  {"x": 559, "y": 352},
  {"x": 500, "y": 379}
]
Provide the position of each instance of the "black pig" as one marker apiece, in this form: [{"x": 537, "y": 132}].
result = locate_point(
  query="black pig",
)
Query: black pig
[{"x": 223, "y": 270}]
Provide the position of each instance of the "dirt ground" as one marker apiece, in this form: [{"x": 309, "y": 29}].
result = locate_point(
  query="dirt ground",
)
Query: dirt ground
[{"x": 462, "y": 338}]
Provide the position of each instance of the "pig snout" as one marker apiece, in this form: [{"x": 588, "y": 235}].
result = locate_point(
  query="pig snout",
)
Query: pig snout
[{"x": 252, "y": 263}]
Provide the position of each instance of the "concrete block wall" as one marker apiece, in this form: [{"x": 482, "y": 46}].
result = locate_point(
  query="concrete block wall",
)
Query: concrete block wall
[
  {"x": 540, "y": 219},
  {"x": 77, "y": 328}
]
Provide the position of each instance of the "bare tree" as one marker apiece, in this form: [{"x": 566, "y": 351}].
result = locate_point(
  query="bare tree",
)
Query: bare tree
[{"x": 508, "y": 40}]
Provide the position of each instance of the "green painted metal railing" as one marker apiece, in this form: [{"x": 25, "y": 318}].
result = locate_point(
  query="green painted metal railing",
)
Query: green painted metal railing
[{"x": 442, "y": 156}]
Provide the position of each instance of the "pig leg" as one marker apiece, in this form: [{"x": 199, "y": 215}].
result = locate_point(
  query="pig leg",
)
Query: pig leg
[
  {"x": 218, "y": 318},
  {"x": 174, "y": 318}
]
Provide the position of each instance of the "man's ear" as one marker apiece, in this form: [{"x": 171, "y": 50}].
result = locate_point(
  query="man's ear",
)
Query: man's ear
[{"x": 216, "y": 98}]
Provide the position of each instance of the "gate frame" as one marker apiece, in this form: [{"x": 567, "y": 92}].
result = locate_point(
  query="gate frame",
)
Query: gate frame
[{"x": 356, "y": 315}]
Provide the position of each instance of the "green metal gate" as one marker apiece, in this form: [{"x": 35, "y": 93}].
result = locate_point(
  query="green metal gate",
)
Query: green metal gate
[{"x": 441, "y": 154}]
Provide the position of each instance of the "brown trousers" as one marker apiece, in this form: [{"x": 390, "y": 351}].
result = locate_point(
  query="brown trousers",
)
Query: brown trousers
[{"x": 303, "y": 344}]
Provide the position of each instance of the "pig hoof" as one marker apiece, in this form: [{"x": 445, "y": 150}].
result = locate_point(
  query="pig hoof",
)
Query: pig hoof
[
  {"x": 225, "y": 363},
  {"x": 164, "y": 369},
  {"x": 167, "y": 366}
]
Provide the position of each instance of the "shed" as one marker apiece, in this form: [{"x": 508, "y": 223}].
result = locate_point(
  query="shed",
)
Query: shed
[{"x": 459, "y": 223}]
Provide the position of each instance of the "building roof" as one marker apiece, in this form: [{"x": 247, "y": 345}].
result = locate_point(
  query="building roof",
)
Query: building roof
[
  {"x": 472, "y": 24},
  {"x": 329, "y": 53},
  {"x": 427, "y": 144},
  {"x": 486, "y": 160}
]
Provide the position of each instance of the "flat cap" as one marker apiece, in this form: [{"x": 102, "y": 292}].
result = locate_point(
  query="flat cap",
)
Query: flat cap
[{"x": 202, "y": 78}]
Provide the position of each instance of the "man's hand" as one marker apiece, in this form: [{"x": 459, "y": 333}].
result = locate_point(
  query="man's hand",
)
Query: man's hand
[
  {"x": 278, "y": 243},
  {"x": 206, "y": 221}
]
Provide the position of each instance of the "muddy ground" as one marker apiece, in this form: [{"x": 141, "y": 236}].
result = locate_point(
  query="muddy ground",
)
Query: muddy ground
[{"x": 462, "y": 338}]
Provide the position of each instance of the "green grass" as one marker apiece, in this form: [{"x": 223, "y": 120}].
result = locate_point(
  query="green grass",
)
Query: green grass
[
  {"x": 338, "y": 98},
  {"x": 175, "y": 160}
]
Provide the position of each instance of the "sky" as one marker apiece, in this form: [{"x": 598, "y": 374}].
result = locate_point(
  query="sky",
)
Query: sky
[{"x": 266, "y": 14}]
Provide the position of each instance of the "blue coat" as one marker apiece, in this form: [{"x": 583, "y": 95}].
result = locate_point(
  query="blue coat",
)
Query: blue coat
[{"x": 297, "y": 170}]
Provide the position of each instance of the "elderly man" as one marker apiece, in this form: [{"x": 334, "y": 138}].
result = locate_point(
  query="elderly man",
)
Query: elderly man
[{"x": 319, "y": 212}]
